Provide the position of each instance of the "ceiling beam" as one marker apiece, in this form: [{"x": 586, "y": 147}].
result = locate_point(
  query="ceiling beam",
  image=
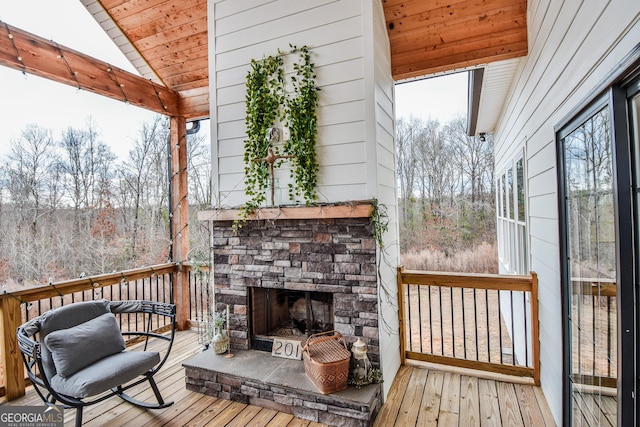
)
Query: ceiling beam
[{"x": 32, "y": 54}]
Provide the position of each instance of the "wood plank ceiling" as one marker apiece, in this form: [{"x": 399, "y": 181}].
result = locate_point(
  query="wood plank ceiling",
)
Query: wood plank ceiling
[
  {"x": 166, "y": 40},
  {"x": 169, "y": 37},
  {"x": 432, "y": 36}
]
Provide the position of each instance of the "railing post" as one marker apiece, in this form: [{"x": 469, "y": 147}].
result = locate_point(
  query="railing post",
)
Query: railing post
[
  {"x": 401, "y": 315},
  {"x": 535, "y": 332},
  {"x": 10, "y": 318}
]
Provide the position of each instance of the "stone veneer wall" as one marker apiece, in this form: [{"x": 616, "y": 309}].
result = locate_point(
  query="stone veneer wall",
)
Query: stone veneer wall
[{"x": 324, "y": 255}]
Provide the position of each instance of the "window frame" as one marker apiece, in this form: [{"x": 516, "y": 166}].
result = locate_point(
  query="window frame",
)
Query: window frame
[{"x": 513, "y": 238}]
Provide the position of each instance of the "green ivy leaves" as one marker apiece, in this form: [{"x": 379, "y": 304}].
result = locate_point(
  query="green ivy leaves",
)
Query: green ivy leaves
[
  {"x": 265, "y": 94},
  {"x": 266, "y": 102},
  {"x": 302, "y": 122}
]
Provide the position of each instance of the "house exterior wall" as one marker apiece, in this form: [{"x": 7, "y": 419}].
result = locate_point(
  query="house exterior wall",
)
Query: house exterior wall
[
  {"x": 338, "y": 33},
  {"x": 355, "y": 140},
  {"x": 573, "y": 46}
]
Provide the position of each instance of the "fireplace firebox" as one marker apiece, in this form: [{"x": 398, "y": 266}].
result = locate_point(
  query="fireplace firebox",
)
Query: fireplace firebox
[{"x": 290, "y": 314}]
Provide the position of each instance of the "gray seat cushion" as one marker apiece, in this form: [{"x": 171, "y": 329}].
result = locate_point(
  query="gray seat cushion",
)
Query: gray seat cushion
[
  {"x": 75, "y": 348},
  {"x": 106, "y": 373}
]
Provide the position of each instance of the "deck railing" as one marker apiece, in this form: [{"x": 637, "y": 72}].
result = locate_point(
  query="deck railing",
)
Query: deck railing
[
  {"x": 200, "y": 295},
  {"x": 477, "y": 321},
  {"x": 594, "y": 312},
  {"x": 154, "y": 283}
]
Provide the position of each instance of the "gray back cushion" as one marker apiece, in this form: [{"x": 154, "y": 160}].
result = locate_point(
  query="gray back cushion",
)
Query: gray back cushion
[
  {"x": 67, "y": 317},
  {"x": 76, "y": 348}
]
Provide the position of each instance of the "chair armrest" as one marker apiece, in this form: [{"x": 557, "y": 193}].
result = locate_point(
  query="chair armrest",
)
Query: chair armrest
[
  {"x": 143, "y": 306},
  {"x": 29, "y": 347},
  {"x": 31, "y": 351}
]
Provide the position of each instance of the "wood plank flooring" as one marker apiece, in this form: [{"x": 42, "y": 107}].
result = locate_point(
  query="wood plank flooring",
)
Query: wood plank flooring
[
  {"x": 430, "y": 397},
  {"x": 190, "y": 408},
  {"x": 418, "y": 397}
]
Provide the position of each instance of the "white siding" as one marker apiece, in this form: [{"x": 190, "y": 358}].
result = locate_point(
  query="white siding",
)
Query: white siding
[
  {"x": 384, "y": 168},
  {"x": 355, "y": 145},
  {"x": 241, "y": 31},
  {"x": 572, "y": 47}
]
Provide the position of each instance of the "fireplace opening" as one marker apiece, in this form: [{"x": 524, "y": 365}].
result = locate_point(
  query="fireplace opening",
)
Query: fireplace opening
[{"x": 284, "y": 313}]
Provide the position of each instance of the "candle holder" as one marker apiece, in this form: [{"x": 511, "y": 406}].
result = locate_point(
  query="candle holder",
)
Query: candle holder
[
  {"x": 361, "y": 371},
  {"x": 360, "y": 364}
]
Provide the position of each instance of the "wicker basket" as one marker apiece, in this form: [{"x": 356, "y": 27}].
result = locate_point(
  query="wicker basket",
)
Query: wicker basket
[{"x": 326, "y": 361}]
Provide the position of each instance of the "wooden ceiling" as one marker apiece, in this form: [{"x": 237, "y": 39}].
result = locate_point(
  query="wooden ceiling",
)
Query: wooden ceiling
[
  {"x": 432, "y": 36},
  {"x": 166, "y": 40},
  {"x": 170, "y": 36}
]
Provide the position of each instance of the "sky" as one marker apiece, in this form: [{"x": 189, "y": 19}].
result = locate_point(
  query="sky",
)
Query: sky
[
  {"x": 441, "y": 98},
  {"x": 28, "y": 99}
]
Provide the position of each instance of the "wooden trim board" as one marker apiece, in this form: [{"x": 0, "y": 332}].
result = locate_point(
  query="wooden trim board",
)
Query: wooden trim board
[{"x": 356, "y": 210}]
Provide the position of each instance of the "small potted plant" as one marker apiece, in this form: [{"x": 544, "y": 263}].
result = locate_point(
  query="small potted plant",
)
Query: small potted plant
[{"x": 217, "y": 334}]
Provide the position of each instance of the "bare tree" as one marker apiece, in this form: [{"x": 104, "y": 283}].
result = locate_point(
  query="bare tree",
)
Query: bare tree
[
  {"x": 473, "y": 155},
  {"x": 31, "y": 159},
  {"x": 450, "y": 174},
  {"x": 143, "y": 179},
  {"x": 406, "y": 168},
  {"x": 199, "y": 170},
  {"x": 30, "y": 174},
  {"x": 86, "y": 163},
  {"x": 67, "y": 208},
  {"x": 436, "y": 171}
]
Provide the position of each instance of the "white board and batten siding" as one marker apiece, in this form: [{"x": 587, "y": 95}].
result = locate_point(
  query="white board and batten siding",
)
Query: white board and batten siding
[
  {"x": 573, "y": 46},
  {"x": 355, "y": 141}
]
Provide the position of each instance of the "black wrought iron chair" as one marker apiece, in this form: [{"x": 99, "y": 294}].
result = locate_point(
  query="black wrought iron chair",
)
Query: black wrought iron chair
[{"x": 76, "y": 354}]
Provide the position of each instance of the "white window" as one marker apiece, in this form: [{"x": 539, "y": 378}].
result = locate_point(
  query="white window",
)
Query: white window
[{"x": 512, "y": 226}]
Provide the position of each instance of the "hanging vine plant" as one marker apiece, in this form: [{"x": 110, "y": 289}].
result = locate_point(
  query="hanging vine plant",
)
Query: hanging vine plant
[
  {"x": 265, "y": 95},
  {"x": 267, "y": 103},
  {"x": 302, "y": 123}
]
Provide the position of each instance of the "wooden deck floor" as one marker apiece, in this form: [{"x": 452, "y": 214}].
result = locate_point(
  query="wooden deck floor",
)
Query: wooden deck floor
[
  {"x": 418, "y": 397},
  {"x": 431, "y": 397}
]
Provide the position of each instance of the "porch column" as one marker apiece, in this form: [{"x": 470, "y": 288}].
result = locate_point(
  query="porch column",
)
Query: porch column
[{"x": 180, "y": 217}]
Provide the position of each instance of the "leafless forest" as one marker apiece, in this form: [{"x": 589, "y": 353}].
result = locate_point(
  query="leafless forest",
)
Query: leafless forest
[
  {"x": 69, "y": 207},
  {"x": 446, "y": 197}
]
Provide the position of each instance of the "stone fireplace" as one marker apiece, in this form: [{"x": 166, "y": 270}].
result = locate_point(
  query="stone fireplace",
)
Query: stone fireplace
[
  {"x": 294, "y": 272},
  {"x": 331, "y": 258}
]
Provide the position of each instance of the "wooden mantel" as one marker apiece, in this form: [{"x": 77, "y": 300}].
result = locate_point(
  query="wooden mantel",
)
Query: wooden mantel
[{"x": 347, "y": 210}]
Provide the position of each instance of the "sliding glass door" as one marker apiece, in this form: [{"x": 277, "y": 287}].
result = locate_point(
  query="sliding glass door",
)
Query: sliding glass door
[
  {"x": 591, "y": 269},
  {"x": 599, "y": 176}
]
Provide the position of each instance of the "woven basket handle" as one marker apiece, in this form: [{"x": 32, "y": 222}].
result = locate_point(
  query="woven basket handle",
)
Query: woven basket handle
[{"x": 322, "y": 337}]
